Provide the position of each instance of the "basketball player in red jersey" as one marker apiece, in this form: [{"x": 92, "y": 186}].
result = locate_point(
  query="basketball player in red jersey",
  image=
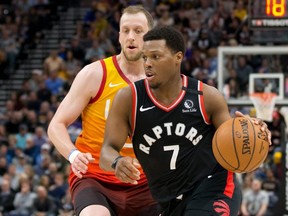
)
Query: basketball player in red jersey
[
  {"x": 93, "y": 190},
  {"x": 171, "y": 119}
]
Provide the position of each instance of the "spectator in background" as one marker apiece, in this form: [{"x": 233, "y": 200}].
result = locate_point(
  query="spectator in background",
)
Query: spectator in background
[
  {"x": 53, "y": 63},
  {"x": 72, "y": 65},
  {"x": 35, "y": 79},
  {"x": 31, "y": 120},
  {"x": 44, "y": 114},
  {"x": 10, "y": 46},
  {"x": 165, "y": 18},
  {"x": 6, "y": 197},
  {"x": 4, "y": 152},
  {"x": 33, "y": 102},
  {"x": 243, "y": 71},
  {"x": 44, "y": 181},
  {"x": 94, "y": 53},
  {"x": 31, "y": 150},
  {"x": 20, "y": 160},
  {"x": 22, "y": 136},
  {"x": 4, "y": 73},
  {"x": 232, "y": 24},
  {"x": 45, "y": 150},
  {"x": 271, "y": 184},
  {"x": 278, "y": 122},
  {"x": 255, "y": 201},
  {"x": 240, "y": 11},
  {"x": 3, "y": 165},
  {"x": 13, "y": 177},
  {"x": 203, "y": 42},
  {"x": 54, "y": 83},
  {"x": 6, "y": 112},
  {"x": 23, "y": 201},
  {"x": 43, "y": 204},
  {"x": 40, "y": 137},
  {"x": 58, "y": 189},
  {"x": 12, "y": 124},
  {"x": 244, "y": 35},
  {"x": 42, "y": 167},
  {"x": 66, "y": 208},
  {"x": 43, "y": 93},
  {"x": 77, "y": 49}
]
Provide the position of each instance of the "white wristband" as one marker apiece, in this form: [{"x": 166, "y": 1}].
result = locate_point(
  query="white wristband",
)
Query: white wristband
[{"x": 73, "y": 154}]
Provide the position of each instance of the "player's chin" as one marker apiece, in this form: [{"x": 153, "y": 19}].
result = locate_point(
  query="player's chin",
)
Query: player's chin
[
  {"x": 152, "y": 84},
  {"x": 133, "y": 55}
]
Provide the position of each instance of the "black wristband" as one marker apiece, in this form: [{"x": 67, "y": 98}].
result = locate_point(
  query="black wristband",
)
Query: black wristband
[{"x": 115, "y": 161}]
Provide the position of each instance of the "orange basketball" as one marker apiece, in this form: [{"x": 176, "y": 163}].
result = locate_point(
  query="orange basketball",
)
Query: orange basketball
[{"x": 239, "y": 145}]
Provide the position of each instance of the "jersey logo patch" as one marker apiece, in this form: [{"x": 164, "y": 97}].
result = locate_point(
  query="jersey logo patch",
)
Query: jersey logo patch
[
  {"x": 111, "y": 85},
  {"x": 188, "y": 107},
  {"x": 142, "y": 109},
  {"x": 221, "y": 207}
]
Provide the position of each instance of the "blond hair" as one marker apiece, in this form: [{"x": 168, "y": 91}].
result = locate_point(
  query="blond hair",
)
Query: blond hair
[{"x": 134, "y": 9}]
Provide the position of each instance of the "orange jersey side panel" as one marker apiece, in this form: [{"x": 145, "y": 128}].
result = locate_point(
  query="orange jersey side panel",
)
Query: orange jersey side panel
[{"x": 94, "y": 118}]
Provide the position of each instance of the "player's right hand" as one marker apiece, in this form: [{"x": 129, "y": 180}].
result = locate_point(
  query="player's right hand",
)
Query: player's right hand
[
  {"x": 127, "y": 170},
  {"x": 80, "y": 164}
]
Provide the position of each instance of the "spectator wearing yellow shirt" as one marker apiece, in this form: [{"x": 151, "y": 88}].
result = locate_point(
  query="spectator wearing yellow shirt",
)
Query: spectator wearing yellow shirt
[{"x": 240, "y": 11}]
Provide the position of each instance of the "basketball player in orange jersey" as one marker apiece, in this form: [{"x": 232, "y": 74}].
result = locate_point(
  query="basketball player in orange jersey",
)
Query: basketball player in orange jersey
[
  {"x": 171, "y": 119},
  {"x": 94, "y": 191}
]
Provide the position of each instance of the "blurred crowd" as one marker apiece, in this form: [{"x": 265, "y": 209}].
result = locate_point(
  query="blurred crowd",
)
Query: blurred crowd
[{"x": 33, "y": 175}]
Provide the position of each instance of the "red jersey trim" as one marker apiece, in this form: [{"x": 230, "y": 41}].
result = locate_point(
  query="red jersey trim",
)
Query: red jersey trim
[
  {"x": 202, "y": 105},
  {"x": 114, "y": 59},
  {"x": 229, "y": 189},
  {"x": 175, "y": 103},
  {"x": 102, "y": 85},
  {"x": 134, "y": 107}
]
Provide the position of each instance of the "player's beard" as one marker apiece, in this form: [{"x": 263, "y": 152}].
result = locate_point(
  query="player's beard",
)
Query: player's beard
[{"x": 132, "y": 57}]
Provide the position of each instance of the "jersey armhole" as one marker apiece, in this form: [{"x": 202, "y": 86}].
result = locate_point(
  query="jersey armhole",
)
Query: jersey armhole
[
  {"x": 134, "y": 107},
  {"x": 202, "y": 104},
  {"x": 104, "y": 77}
]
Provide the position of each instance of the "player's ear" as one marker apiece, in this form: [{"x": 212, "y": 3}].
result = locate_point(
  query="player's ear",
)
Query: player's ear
[{"x": 179, "y": 57}]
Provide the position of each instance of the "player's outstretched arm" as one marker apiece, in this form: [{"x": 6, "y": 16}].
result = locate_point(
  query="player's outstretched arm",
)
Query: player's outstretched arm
[
  {"x": 85, "y": 86},
  {"x": 116, "y": 132}
]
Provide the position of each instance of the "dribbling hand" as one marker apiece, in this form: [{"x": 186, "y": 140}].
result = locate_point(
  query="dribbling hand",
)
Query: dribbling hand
[
  {"x": 127, "y": 170},
  {"x": 80, "y": 164},
  {"x": 257, "y": 121}
]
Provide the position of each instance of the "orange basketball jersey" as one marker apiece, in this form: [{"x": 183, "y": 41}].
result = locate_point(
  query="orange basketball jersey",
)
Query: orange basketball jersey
[{"x": 94, "y": 118}]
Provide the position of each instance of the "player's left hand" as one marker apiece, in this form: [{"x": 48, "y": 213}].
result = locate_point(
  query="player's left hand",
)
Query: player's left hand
[
  {"x": 127, "y": 170},
  {"x": 257, "y": 121}
]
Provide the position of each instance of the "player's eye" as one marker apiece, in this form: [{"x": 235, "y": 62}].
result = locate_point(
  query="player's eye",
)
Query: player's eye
[
  {"x": 156, "y": 56},
  {"x": 138, "y": 31}
]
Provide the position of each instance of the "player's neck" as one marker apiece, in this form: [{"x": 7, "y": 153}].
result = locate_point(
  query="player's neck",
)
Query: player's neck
[
  {"x": 167, "y": 94},
  {"x": 134, "y": 70}
]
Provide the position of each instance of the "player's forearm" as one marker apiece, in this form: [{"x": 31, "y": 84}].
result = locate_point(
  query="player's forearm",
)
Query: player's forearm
[
  {"x": 59, "y": 136},
  {"x": 107, "y": 157}
]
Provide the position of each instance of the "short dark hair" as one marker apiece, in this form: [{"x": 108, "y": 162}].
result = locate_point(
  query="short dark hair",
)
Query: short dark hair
[{"x": 174, "y": 39}]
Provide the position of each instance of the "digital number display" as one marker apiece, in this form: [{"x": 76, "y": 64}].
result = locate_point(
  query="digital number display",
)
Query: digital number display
[
  {"x": 276, "y": 8},
  {"x": 268, "y": 13}
]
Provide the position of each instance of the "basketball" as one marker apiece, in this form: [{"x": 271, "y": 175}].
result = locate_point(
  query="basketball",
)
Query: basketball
[{"x": 239, "y": 145}]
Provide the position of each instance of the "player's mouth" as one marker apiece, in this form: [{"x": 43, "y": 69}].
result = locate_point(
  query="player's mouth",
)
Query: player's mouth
[
  {"x": 131, "y": 47},
  {"x": 149, "y": 74}
]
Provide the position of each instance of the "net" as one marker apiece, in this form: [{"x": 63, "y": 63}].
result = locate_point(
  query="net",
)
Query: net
[{"x": 264, "y": 104}]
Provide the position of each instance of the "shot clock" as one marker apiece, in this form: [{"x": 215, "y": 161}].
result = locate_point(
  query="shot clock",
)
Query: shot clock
[{"x": 271, "y": 14}]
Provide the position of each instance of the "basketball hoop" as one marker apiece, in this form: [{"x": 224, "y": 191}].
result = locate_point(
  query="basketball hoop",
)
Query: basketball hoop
[{"x": 264, "y": 104}]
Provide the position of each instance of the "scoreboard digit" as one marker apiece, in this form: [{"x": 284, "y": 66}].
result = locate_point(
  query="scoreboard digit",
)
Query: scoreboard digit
[{"x": 268, "y": 14}]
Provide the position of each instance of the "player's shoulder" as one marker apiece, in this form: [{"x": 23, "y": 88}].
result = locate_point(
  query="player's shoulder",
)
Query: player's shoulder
[
  {"x": 91, "y": 71},
  {"x": 210, "y": 91}
]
